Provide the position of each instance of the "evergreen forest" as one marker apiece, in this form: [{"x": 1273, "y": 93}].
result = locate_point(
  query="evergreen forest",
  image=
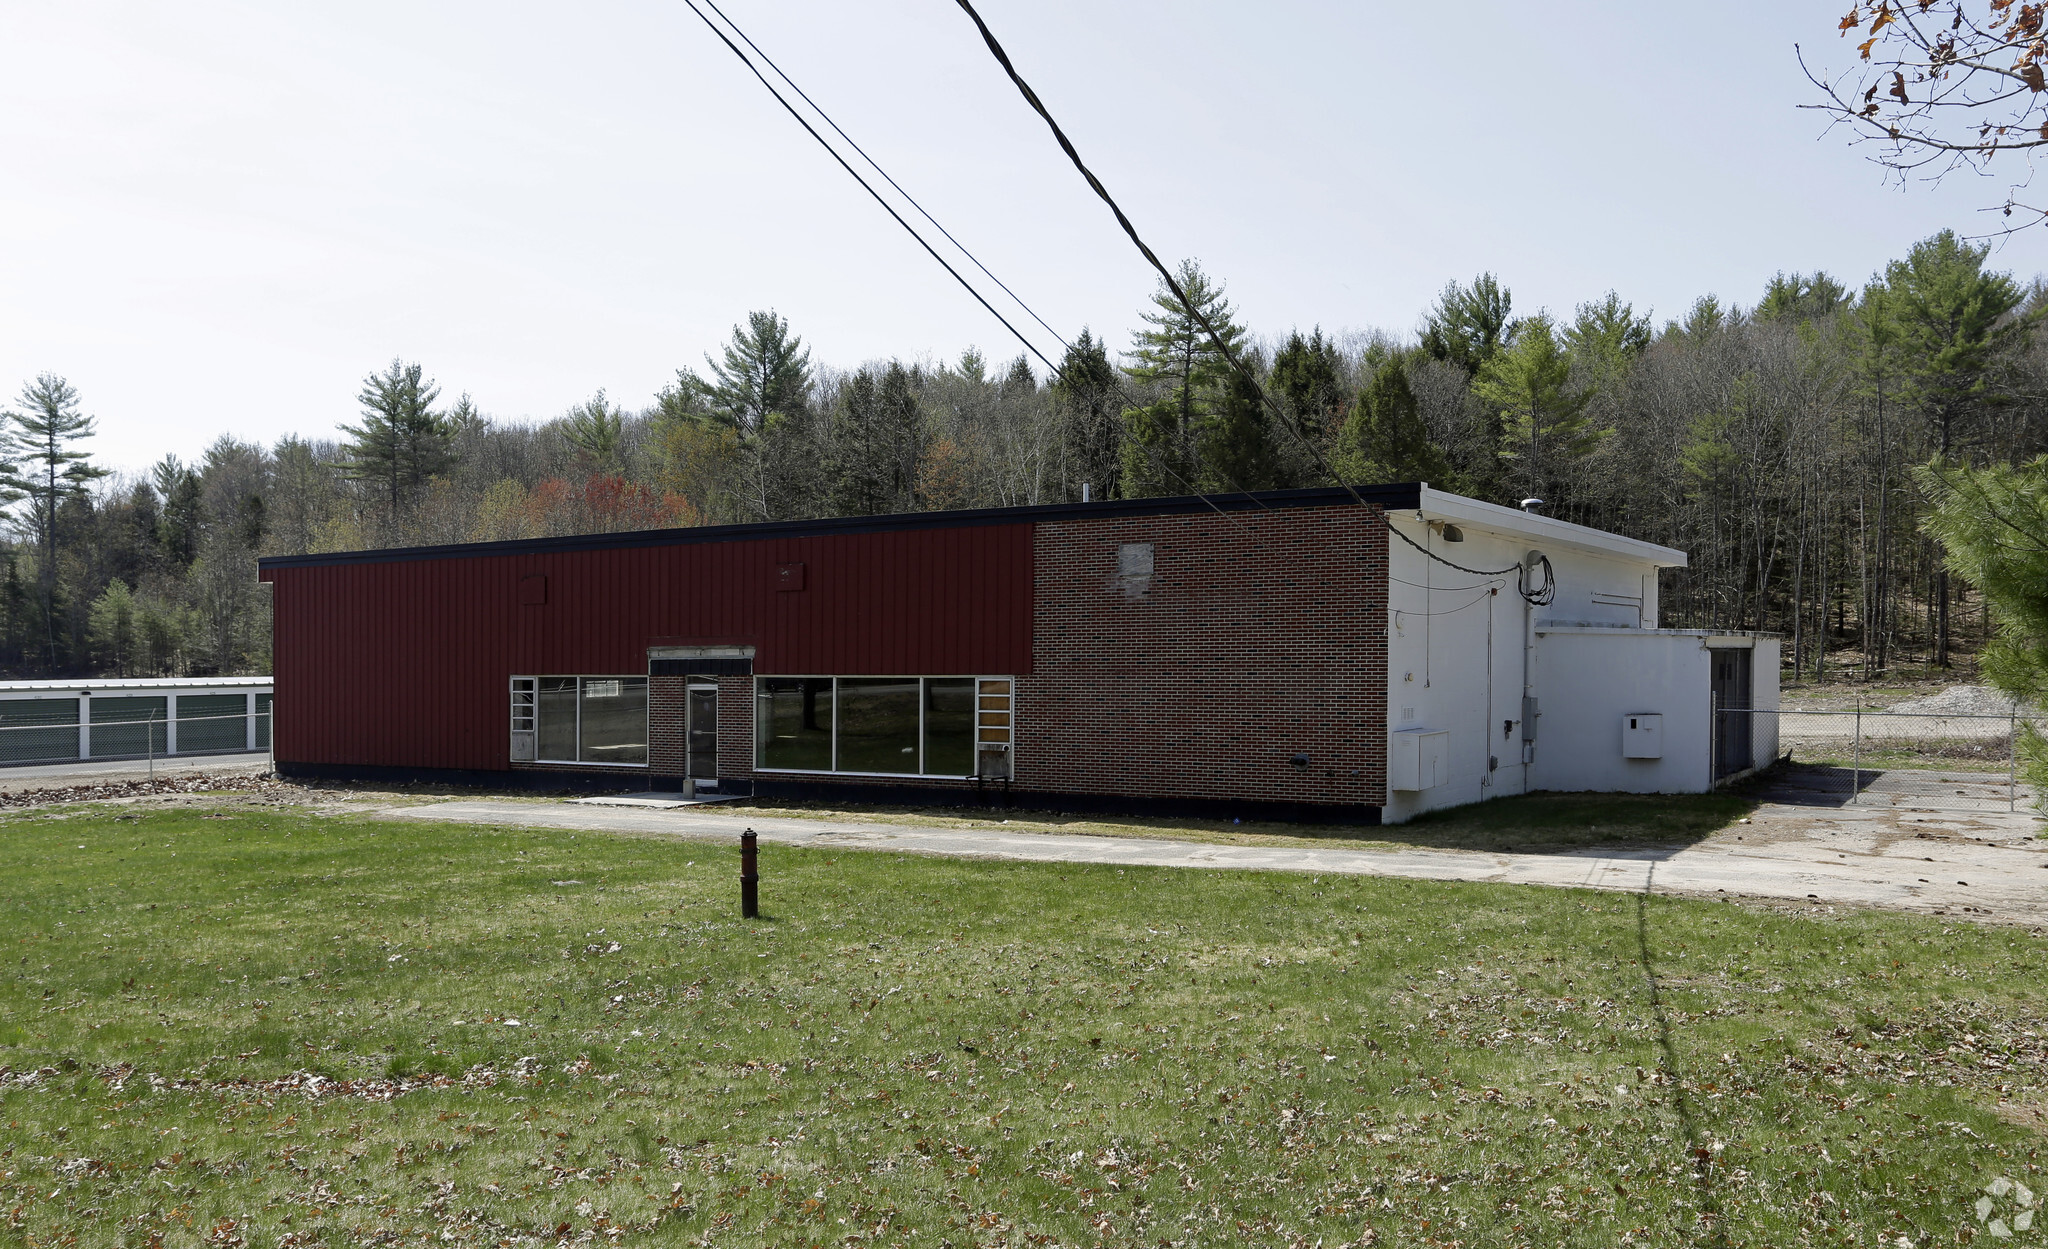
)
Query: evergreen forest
[{"x": 1777, "y": 442}]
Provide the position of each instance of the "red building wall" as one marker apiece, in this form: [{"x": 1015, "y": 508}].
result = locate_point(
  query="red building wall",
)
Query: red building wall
[{"x": 404, "y": 663}]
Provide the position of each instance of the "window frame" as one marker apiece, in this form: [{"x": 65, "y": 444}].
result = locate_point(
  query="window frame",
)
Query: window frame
[
  {"x": 922, "y": 698},
  {"x": 529, "y": 684}
]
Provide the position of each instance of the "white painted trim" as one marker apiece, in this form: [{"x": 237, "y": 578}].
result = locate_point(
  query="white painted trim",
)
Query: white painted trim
[{"x": 1539, "y": 530}]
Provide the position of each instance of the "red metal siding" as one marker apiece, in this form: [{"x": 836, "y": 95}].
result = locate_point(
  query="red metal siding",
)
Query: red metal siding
[{"x": 405, "y": 663}]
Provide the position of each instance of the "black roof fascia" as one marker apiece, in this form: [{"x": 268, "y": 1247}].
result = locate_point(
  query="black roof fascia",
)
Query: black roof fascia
[{"x": 1396, "y": 497}]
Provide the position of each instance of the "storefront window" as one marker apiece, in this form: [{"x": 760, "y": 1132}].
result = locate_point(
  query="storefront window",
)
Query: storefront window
[
  {"x": 584, "y": 719},
  {"x": 949, "y": 726},
  {"x": 612, "y": 720},
  {"x": 875, "y": 726},
  {"x": 878, "y": 725},
  {"x": 793, "y": 723}
]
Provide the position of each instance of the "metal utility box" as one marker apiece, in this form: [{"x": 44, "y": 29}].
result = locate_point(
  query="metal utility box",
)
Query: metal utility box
[
  {"x": 1642, "y": 736},
  {"x": 1418, "y": 761}
]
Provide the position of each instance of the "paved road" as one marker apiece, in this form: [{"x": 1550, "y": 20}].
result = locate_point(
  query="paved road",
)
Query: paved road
[
  {"x": 1966, "y": 865},
  {"x": 45, "y": 775}
]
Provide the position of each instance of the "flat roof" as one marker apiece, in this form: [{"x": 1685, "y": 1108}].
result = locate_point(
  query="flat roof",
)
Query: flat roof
[
  {"x": 1391, "y": 497},
  {"x": 130, "y": 685},
  {"x": 1542, "y": 529}
]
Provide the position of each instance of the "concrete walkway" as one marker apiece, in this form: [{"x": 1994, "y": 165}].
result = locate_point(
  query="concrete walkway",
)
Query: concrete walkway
[
  {"x": 98, "y": 771},
  {"x": 1964, "y": 865}
]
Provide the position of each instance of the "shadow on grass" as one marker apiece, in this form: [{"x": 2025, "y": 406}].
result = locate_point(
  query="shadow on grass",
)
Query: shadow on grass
[
  {"x": 1700, "y": 1153},
  {"x": 1530, "y": 823}
]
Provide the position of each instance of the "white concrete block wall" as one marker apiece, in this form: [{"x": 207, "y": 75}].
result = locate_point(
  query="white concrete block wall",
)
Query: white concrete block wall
[
  {"x": 1764, "y": 695},
  {"x": 1591, "y": 680},
  {"x": 1458, "y": 643}
]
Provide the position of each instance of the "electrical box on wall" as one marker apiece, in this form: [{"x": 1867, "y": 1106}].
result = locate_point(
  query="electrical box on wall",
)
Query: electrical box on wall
[
  {"x": 1418, "y": 761},
  {"x": 1642, "y": 736}
]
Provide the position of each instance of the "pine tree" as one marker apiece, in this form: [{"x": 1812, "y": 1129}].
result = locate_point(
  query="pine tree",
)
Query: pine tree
[
  {"x": 1307, "y": 378},
  {"x": 1090, "y": 424},
  {"x": 597, "y": 429},
  {"x": 44, "y": 431},
  {"x": 1543, "y": 426},
  {"x": 1797, "y": 297},
  {"x": 1177, "y": 357},
  {"x": 1384, "y": 438},
  {"x": 875, "y": 444},
  {"x": 765, "y": 370},
  {"x": 1237, "y": 439},
  {"x": 1469, "y": 324},
  {"x": 1993, "y": 524},
  {"x": 402, "y": 442},
  {"x": 182, "y": 511},
  {"x": 1607, "y": 335},
  {"x": 113, "y": 628},
  {"x": 1957, "y": 326}
]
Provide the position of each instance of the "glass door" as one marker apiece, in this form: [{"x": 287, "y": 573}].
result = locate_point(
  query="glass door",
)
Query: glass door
[{"x": 702, "y": 731}]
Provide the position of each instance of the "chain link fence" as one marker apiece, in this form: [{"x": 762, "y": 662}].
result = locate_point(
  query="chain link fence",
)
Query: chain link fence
[
  {"x": 1919, "y": 760},
  {"x": 53, "y": 736}
]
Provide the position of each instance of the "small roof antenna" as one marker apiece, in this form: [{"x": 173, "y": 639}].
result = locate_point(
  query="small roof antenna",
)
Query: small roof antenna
[{"x": 1533, "y": 506}]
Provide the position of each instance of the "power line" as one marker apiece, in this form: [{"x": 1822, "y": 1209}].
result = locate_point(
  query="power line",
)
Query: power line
[
  {"x": 819, "y": 109},
  {"x": 1172, "y": 284},
  {"x": 855, "y": 174},
  {"x": 1055, "y": 370}
]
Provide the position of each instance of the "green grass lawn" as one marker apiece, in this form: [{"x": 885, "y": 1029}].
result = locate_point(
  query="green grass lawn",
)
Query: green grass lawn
[{"x": 259, "y": 1025}]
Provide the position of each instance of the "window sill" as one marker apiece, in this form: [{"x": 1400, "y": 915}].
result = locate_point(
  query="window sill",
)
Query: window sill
[{"x": 578, "y": 763}]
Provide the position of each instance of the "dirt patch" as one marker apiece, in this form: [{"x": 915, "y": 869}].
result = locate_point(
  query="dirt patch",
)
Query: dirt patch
[{"x": 2030, "y": 1115}]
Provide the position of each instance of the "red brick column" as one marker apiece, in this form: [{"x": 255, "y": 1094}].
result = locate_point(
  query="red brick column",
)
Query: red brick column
[
  {"x": 668, "y": 744},
  {"x": 735, "y": 727}
]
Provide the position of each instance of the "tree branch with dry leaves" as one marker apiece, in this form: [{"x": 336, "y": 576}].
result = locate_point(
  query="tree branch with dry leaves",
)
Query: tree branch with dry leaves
[{"x": 1942, "y": 85}]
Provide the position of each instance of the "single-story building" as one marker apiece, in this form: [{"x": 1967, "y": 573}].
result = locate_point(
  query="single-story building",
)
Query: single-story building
[
  {"x": 1346, "y": 653},
  {"x": 48, "y": 721}
]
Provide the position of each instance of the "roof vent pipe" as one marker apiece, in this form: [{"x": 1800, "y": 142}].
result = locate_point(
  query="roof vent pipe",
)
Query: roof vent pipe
[
  {"x": 1084, "y": 492},
  {"x": 1533, "y": 506}
]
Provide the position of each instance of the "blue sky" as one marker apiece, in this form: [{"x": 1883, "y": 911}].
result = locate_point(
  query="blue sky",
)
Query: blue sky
[{"x": 219, "y": 216}]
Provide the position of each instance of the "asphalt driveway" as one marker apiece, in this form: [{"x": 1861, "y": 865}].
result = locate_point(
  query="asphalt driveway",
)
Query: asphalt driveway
[{"x": 1969, "y": 865}]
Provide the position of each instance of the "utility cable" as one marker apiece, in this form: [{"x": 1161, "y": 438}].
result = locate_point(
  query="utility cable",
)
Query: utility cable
[
  {"x": 1055, "y": 370},
  {"x": 1449, "y": 611},
  {"x": 1540, "y": 597},
  {"x": 886, "y": 206},
  {"x": 1447, "y": 589},
  {"x": 1172, "y": 283},
  {"x": 815, "y": 107}
]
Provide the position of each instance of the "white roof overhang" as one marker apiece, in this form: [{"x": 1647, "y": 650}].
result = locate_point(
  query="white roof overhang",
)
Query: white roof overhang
[{"x": 1540, "y": 531}]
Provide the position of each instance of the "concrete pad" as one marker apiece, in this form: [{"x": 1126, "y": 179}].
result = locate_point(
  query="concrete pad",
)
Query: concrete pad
[
  {"x": 658, "y": 801},
  {"x": 1963, "y": 865}
]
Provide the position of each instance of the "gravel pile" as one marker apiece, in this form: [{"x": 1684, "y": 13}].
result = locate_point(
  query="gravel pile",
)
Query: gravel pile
[
  {"x": 194, "y": 783},
  {"x": 1958, "y": 700}
]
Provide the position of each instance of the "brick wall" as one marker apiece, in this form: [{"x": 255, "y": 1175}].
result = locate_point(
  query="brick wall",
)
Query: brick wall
[
  {"x": 735, "y": 726},
  {"x": 668, "y": 741},
  {"x": 1256, "y": 637}
]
